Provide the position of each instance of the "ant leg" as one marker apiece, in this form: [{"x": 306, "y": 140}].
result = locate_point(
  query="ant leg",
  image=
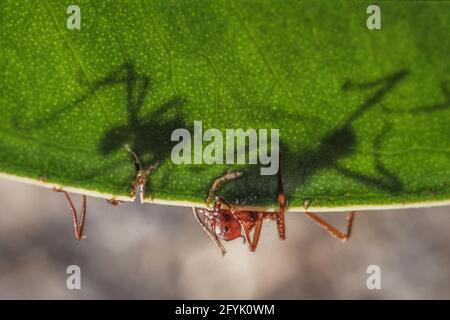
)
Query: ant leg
[
  {"x": 114, "y": 202},
  {"x": 217, "y": 184},
  {"x": 387, "y": 180},
  {"x": 212, "y": 235},
  {"x": 78, "y": 229},
  {"x": 281, "y": 219},
  {"x": 221, "y": 181},
  {"x": 252, "y": 244},
  {"x": 332, "y": 230},
  {"x": 142, "y": 178},
  {"x": 141, "y": 175},
  {"x": 220, "y": 200}
]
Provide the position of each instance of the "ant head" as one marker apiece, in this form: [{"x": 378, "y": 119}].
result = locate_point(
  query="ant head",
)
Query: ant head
[
  {"x": 113, "y": 139},
  {"x": 227, "y": 226}
]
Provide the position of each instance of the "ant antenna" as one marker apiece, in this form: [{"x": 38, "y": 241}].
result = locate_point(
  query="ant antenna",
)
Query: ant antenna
[
  {"x": 141, "y": 175},
  {"x": 212, "y": 235},
  {"x": 219, "y": 182}
]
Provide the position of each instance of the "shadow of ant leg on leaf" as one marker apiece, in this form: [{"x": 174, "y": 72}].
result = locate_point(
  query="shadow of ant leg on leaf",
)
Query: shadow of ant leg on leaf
[
  {"x": 145, "y": 137},
  {"x": 148, "y": 135},
  {"x": 388, "y": 181},
  {"x": 123, "y": 74},
  {"x": 303, "y": 164},
  {"x": 386, "y": 85},
  {"x": 340, "y": 143},
  {"x": 445, "y": 88}
]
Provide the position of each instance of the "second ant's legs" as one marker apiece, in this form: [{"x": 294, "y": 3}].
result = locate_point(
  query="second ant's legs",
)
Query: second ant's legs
[
  {"x": 141, "y": 175},
  {"x": 332, "y": 230},
  {"x": 77, "y": 228}
]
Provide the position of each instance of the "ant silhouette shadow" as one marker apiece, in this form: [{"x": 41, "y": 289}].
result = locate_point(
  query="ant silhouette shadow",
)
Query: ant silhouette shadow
[
  {"x": 147, "y": 136},
  {"x": 338, "y": 144},
  {"x": 341, "y": 142},
  {"x": 445, "y": 88}
]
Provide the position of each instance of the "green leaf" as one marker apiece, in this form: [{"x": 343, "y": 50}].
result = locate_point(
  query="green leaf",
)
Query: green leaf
[{"x": 363, "y": 114}]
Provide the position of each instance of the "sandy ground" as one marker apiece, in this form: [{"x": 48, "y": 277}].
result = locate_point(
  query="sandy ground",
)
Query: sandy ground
[{"x": 159, "y": 252}]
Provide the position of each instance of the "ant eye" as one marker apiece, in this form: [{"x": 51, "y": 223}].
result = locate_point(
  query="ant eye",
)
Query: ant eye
[{"x": 225, "y": 229}]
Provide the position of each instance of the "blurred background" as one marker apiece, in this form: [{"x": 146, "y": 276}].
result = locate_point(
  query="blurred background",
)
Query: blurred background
[{"x": 160, "y": 252}]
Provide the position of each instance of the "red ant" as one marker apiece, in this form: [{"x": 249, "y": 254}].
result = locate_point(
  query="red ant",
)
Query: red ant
[{"x": 231, "y": 223}]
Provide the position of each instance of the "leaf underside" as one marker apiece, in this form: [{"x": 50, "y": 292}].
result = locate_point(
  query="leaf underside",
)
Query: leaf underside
[{"x": 364, "y": 115}]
